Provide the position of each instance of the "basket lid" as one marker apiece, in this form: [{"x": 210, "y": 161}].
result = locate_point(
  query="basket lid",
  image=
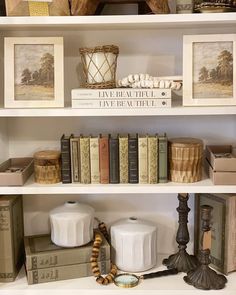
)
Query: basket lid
[
  {"x": 185, "y": 142},
  {"x": 47, "y": 155}
]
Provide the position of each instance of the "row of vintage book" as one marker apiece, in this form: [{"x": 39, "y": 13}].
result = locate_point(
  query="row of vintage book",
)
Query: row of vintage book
[
  {"x": 114, "y": 159},
  {"x": 46, "y": 262}
]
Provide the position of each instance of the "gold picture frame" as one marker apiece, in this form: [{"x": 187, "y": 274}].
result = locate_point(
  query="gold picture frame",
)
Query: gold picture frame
[
  {"x": 209, "y": 70},
  {"x": 33, "y": 72}
]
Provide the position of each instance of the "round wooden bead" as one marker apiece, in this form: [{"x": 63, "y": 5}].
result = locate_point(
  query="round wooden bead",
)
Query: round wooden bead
[{"x": 100, "y": 280}]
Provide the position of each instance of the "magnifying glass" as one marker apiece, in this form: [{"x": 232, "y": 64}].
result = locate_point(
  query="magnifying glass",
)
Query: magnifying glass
[{"x": 129, "y": 280}]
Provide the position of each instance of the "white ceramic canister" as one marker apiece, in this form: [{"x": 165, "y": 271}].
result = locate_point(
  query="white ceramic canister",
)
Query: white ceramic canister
[
  {"x": 134, "y": 244},
  {"x": 72, "y": 224}
]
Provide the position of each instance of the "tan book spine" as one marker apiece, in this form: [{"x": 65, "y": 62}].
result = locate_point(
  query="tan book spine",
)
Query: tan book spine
[
  {"x": 143, "y": 159},
  {"x": 123, "y": 159},
  {"x": 85, "y": 160},
  {"x": 11, "y": 237},
  {"x": 94, "y": 160},
  {"x": 66, "y": 272},
  {"x": 152, "y": 159},
  {"x": 74, "y": 154}
]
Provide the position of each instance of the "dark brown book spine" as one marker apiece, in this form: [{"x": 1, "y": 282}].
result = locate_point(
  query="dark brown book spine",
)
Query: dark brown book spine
[
  {"x": 114, "y": 160},
  {"x": 133, "y": 159},
  {"x": 104, "y": 159},
  {"x": 65, "y": 159}
]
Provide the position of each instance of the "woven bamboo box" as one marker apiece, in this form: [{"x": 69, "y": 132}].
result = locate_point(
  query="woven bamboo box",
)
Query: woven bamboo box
[
  {"x": 185, "y": 159},
  {"x": 47, "y": 167}
]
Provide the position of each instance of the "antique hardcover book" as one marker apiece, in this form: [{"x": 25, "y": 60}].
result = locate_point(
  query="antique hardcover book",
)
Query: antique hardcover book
[
  {"x": 123, "y": 159},
  {"x": 162, "y": 159},
  {"x": 121, "y": 103},
  {"x": 152, "y": 159},
  {"x": 41, "y": 252},
  {"x": 85, "y": 160},
  {"x": 133, "y": 158},
  {"x": 104, "y": 159},
  {"x": 65, "y": 272},
  {"x": 65, "y": 159},
  {"x": 143, "y": 159},
  {"x": 75, "y": 158},
  {"x": 94, "y": 159},
  {"x": 113, "y": 159},
  {"x": 11, "y": 237},
  {"x": 120, "y": 93},
  {"x": 223, "y": 229}
]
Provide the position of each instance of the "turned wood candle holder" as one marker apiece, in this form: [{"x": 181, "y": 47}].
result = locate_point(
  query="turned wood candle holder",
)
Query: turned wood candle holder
[
  {"x": 203, "y": 277},
  {"x": 182, "y": 260}
]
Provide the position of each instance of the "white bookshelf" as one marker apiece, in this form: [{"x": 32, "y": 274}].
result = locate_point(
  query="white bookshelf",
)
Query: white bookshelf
[
  {"x": 203, "y": 186},
  {"x": 72, "y": 112},
  {"x": 88, "y": 286},
  {"x": 147, "y": 43},
  {"x": 167, "y": 21}
]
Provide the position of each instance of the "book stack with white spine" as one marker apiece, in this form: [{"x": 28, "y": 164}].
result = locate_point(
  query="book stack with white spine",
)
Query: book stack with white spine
[{"x": 132, "y": 92}]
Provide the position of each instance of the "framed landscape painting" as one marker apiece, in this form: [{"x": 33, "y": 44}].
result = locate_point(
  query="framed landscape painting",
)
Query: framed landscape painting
[
  {"x": 34, "y": 75},
  {"x": 209, "y": 70}
]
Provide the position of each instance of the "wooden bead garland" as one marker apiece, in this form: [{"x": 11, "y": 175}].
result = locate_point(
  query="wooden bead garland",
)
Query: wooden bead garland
[{"x": 95, "y": 253}]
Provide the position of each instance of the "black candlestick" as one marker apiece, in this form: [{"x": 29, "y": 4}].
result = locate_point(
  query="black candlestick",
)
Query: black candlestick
[
  {"x": 182, "y": 260},
  {"x": 203, "y": 277}
]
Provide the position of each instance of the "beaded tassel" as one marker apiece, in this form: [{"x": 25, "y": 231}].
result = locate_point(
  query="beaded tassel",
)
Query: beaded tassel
[{"x": 95, "y": 253}]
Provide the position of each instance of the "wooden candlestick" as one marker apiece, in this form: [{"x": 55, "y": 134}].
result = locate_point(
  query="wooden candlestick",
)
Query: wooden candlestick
[
  {"x": 182, "y": 260},
  {"x": 203, "y": 277}
]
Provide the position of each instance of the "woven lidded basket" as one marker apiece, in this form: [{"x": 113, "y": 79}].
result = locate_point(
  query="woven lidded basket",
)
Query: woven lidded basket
[
  {"x": 47, "y": 167},
  {"x": 185, "y": 159},
  {"x": 99, "y": 66}
]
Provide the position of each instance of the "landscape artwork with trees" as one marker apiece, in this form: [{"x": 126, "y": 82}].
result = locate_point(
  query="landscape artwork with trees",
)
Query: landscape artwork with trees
[
  {"x": 213, "y": 69},
  {"x": 34, "y": 72}
]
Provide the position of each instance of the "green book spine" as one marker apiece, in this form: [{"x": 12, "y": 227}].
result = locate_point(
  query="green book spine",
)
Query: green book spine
[
  {"x": 11, "y": 237},
  {"x": 65, "y": 272},
  {"x": 42, "y": 253},
  {"x": 123, "y": 159},
  {"x": 152, "y": 159},
  {"x": 163, "y": 159}
]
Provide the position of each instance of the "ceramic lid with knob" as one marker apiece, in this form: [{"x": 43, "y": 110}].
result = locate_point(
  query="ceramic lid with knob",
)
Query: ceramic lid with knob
[
  {"x": 134, "y": 243},
  {"x": 72, "y": 224}
]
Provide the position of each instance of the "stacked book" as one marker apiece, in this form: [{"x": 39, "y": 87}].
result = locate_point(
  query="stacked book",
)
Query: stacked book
[
  {"x": 114, "y": 159},
  {"x": 46, "y": 262},
  {"x": 121, "y": 98}
]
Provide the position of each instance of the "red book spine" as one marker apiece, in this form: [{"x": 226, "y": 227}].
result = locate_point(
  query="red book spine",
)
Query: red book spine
[{"x": 104, "y": 159}]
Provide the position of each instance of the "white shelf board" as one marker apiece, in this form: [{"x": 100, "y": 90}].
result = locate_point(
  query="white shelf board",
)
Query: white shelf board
[
  {"x": 70, "y": 112},
  {"x": 171, "y": 285},
  {"x": 121, "y": 21},
  {"x": 203, "y": 186}
]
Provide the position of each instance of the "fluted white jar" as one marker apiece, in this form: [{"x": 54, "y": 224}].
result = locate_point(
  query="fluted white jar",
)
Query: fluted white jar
[
  {"x": 134, "y": 244},
  {"x": 71, "y": 224}
]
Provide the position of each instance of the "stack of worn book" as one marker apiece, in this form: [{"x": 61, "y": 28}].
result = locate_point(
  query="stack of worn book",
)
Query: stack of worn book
[{"x": 46, "y": 262}]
